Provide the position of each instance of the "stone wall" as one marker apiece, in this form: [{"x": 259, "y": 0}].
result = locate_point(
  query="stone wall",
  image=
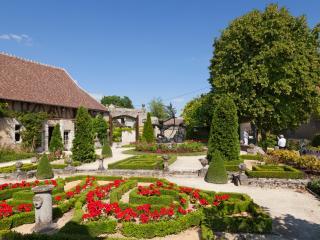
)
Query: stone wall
[
  {"x": 7, "y": 132},
  {"x": 278, "y": 183}
]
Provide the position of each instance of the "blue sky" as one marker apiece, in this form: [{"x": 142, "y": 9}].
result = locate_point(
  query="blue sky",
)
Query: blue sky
[{"x": 138, "y": 48}]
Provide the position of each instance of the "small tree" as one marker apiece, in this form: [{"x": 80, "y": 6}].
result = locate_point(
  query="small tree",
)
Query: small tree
[
  {"x": 83, "y": 143},
  {"x": 44, "y": 170},
  {"x": 106, "y": 151},
  {"x": 224, "y": 136},
  {"x": 100, "y": 128},
  {"x": 217, "y": 172},
  {"x": 56, "y": 140},
  {"x": 147, "y": 134}
]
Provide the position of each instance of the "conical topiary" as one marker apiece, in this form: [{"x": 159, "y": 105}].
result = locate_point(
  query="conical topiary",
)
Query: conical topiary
[
  {"x": 148, "y": 134},
  {"x": 44, "y": 170},
  {"x": 83, "y": 142},
  {"x": 56, "y": 140},
  {"x": 217, "y": 172},
  {"x": 106, "y": 151}
]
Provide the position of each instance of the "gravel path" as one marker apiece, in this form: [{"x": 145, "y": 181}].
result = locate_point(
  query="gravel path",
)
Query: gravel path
[
  {"x": 6, "y": 164},
  {"x": 296, "y": 215},
  {"x": 186, "y": 163}
]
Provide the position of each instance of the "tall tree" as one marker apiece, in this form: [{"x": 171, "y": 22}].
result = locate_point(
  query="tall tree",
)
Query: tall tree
[
  {"x": 118, "y": 101},
  {"x": 224, "y": 136},
  {"x": 83, "y": 142},
  {"x": 158, "y": 109},
  {"x": 268, "y": 62},
  {"x": 100, "y": 128},
  {"x": 56, "y": 140},
  {"x": 148, "y": 134}
]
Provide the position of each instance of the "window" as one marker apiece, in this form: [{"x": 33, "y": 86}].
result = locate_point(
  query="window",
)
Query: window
[
  {"x": 66, "y": 138},
  {"x": 17, "y": 133}
]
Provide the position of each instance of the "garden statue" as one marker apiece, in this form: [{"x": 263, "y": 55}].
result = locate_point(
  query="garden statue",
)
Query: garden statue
[
  {"x": 165, "y": 163},
  {"x": 101, "y": 167},
  {"x": 19, "y": 174},
  {"x": 42, "y": 202},
  {"x": 204, "y": 162}
]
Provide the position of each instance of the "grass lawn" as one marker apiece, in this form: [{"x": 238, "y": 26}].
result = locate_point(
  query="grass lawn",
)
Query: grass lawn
[
  {"x": 134, "y": 152},
  {"x": 10, "y": 155},
  {"x": 147, "y": 162}
]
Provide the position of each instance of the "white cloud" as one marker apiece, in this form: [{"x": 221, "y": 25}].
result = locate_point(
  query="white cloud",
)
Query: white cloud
[{"x": 19, "y": 38}]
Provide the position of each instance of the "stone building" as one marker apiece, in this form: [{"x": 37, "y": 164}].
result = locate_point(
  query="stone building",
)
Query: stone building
[{"x": 28, "y": 86}]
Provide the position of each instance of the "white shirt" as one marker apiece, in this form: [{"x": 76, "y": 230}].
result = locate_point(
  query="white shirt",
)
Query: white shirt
[{"x": 282, "y": 142}]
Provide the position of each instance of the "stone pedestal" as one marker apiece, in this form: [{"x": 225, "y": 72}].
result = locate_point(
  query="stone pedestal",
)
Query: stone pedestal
[
  {"x": 243, "y": 179},
  {"x": 165, "y": 163},
  {"x": 19, "y": 174},
  {"x": 101, "y": 167},
  {"x": 42, "y": 202}
]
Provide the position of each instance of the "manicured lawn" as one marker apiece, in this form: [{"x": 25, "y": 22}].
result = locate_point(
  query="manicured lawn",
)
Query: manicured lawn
[{"x": 149, "y": 162}]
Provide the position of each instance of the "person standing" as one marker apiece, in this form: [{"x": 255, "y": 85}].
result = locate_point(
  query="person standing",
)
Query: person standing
[
  {"x": 245, "y": 137},
  {"x": 282, "y": 142}
]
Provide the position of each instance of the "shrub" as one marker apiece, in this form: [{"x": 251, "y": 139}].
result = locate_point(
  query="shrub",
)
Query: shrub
[
  {"x": 206, "y": 233},
  {"x": 106, "y": 151},
  {"x": 274, "y": 171},
  {"x": 314, "y": 186},
  {"x": 316, "y": 140},
  {"x": 116, "y": 194},
  {"x": 83, "y": 143},
  {"x": 100, "y": 128},
  {"x": 216, "y": 172},
  {"x": 44, "y": 170},
  {"x": 224, "y": 135},
  {"x": 148, "y": 134},
  {"x": 8, "y": 154},
  {"x": 56, "y": 140}
]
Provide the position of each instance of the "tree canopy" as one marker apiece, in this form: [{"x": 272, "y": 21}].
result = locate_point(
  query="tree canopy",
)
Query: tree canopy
[
  {"x": 118, "y": 101},
  {"x": 158, "y": 109},
  {"x": 268, "y": 62}
]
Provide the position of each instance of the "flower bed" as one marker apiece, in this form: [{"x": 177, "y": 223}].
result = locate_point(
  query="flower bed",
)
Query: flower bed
[
  {"x": 146, "y": 162},
  {"x": 154, "y": 210},
  {"x": 274, "y": 171}
]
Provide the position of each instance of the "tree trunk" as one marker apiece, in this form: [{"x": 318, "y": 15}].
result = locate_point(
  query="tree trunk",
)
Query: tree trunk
[{"x": 263, "y": 140}]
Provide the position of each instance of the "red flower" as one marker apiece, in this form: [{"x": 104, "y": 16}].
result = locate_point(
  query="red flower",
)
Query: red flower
[
  {"x": 24, "y": 207},
  {"x": 58, "y": 198},
  {"x": 183, "y": 201},
  {"x": 215, "y": 203},
  {"x": 203, "y": 202}
]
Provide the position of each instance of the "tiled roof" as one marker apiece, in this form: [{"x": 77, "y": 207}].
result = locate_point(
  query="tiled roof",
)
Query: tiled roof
[{"x": 27, "y": 81}]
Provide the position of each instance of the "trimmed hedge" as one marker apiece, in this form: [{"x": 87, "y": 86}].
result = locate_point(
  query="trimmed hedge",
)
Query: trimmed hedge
[
  {"x": 314, "y": 186},
  {"x": 44, "y": 169},
  {"x": 217, "y": 172},
  {"x": 16, "y": 220},
  {"x": 162, "y": 228},
  {"x": 206, "y": 233},
  {"x": 116, "y": 194},
  {"x": 274, "y": 171},
  {"x": 232, "y": 166},
  {"x": 135, "y": 198}
]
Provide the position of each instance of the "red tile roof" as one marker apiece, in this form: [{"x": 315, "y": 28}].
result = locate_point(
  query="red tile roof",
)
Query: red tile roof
[{"x": 27, "y": 81}]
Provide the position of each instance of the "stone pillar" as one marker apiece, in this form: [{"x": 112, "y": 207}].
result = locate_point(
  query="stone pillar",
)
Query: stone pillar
[
  {"x": 46, "y": 137},
  {"x": 137, "y": 128},
  {"x": 42, "y": 202},
  {"x": 111, "y": 130},
  {"x": 165, "y": 163},
  {"x": 101, "y": 167}
]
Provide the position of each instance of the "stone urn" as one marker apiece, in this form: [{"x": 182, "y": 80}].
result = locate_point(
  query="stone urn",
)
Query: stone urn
[
  {"x": 203, "y": 171},
  {"x": 69, "y": 168},
  {"x": 165, "y": 159},
  {"x": 204, "y": 162},
  {"x": 19, "y": 166},
  {"x": 242, "y": 176},
  {"x": 42, "y": 201}
]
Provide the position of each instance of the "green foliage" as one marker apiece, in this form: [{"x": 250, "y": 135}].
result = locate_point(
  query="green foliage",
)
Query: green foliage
[
  {"x": 44, "y": 170},
  {"x": 106, "y": 151},
  {"x": 314, "y": 186},
  {"x": 224, "y": 136},
  {"x": 158, "y": 109},
  {"x": 269, "y": 63},
  {"x": 274, "y": 171},
  {"x": 135, "y": 198},
  {"x": 147, "y": 162},
  {"x": 207, "y": 233},
  {"x": 217, "y": 172},
  {"x": 56, "y": 139},
  {"x": 8, "y": 154},
  {"x": 100, "y": 128},
  {"x": 32, "y": 123},
  {"x": 116, "y": 194},
  {"x": 232, "y": 166},
  {"x": 316, "y": 140},
  {"x": 185, "y": 147},
  {"x": 3, "y": 109},
  {"x": 118, "y": 101},
  {"x": 83, "y": 143},
  {"x": 148, "y": 134},
  {"x": 162, "y": 228}
]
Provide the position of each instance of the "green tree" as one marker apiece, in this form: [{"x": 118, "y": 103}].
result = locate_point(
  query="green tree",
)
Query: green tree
[
  {"x": 56, "y": 140},
  {"x": 3, "y": 109},
  {"x": 100, "y": 128},
  {"x": 44, "y": 169},
  {"x": 217, "y": 171},
  {"x": 32, "y": 128},
  {"x": 224, "y": 136},
  {"x": 158, "y": 109},
  {"x": 148, "y": 134},
  {"x": 83, "y": 142},
  {"x": 268, "y": 62},
  {"x": 118, "y": 101}
]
